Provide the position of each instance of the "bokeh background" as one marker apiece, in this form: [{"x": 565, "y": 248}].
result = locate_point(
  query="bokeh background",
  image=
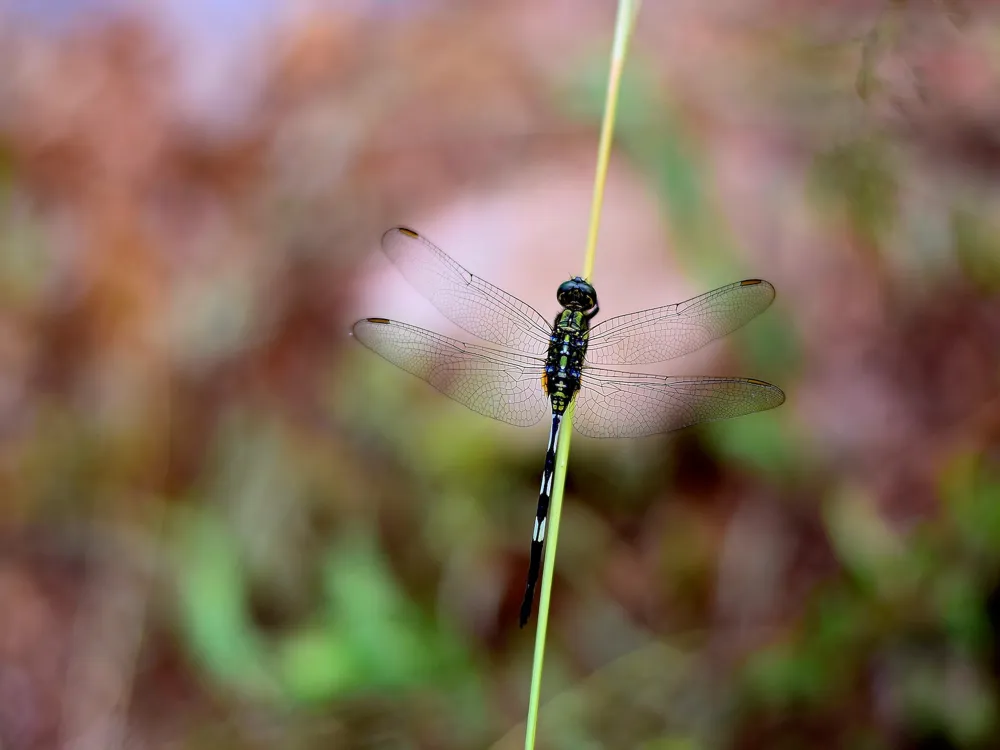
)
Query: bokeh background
[{"x": 226, "y": 525}]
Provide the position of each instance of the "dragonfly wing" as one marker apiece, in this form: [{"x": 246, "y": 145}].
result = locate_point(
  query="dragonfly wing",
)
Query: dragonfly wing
[
  {"x": 628, "y": 404},
  {"x": 663, "y": 333},
  {"x": 495, "y": 383},
  {"x": 468, "y": 301}
]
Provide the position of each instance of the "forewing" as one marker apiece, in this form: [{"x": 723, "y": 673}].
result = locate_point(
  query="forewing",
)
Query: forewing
[
  {"x": 468, "y": 301},
  {"x": 663, "y": 333},
  {"x": 625, "y": 404},
  {"x": 495, "y": 383}
]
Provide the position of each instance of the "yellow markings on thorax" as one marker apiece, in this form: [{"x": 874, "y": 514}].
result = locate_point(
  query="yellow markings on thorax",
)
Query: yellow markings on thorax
[
  {"x": 751, "y": 282},
  {"x": 545, "y": 383}
]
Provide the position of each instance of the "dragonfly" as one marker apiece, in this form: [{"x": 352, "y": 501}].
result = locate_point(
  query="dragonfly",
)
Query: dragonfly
[{"x": 534, "y": 369}]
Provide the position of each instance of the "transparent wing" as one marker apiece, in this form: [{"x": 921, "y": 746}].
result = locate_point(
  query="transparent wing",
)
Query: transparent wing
[
  {"x": 495, "y": 383},
  {"x": 476, "y": 305},
  {"x": 663, "y": 333},
  {"x": 627, "y": 404}
]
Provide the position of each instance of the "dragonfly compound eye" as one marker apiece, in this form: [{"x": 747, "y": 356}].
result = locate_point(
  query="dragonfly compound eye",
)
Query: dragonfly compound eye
[{"x": 577, "y": 294}]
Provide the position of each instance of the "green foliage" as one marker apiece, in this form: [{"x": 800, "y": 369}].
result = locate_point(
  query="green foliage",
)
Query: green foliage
[
  {"x": 367, "y": 636},
  {"x": 971, "y": 488},
  {"x": 858, "y": 180},
  {"x": 977, "y": 247},
  {"x": 785, "y": 677},
  {"x": 760, "y": 442},
  {"x": 26, "y": 261},
  {"x": 213, "y": 609},
  {"x": 907, "y": 620}
]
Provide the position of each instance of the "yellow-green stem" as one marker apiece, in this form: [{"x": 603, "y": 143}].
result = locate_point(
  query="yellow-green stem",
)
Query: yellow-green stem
[{"x": 627, "y": 12}]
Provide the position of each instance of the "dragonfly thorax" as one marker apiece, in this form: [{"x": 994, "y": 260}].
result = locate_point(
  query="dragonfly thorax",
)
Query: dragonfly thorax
[
  {"x": 564, "y": 361},
  {"x": 577, "y": 294}
]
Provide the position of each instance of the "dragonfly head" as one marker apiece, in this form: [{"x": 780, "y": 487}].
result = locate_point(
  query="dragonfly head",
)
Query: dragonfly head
[{"x": 577, "y": 294}]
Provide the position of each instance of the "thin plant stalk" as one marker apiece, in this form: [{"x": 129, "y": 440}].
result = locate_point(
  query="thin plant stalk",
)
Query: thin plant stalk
[{"x": 624, "y": 23}]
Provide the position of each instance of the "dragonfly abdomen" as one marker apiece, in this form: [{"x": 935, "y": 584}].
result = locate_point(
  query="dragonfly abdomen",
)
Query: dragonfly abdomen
[
  {"x": 561, "y": 381},
  {"x": 541, "y": 518}
]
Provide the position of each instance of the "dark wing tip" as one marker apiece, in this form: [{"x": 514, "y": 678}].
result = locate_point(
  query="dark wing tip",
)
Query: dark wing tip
[
  {"x": 359, "y": 323},
  {"x": 758, "y": 282},
  {"x": 401, "y": 230},
  {"x": 764, "y": 284}
]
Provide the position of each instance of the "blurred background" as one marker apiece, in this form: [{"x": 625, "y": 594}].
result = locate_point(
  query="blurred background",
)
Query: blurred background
[{"x": 224, "y": 524}]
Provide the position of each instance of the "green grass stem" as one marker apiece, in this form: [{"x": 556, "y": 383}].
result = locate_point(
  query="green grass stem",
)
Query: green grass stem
[{"x": 624, "y": 23}]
